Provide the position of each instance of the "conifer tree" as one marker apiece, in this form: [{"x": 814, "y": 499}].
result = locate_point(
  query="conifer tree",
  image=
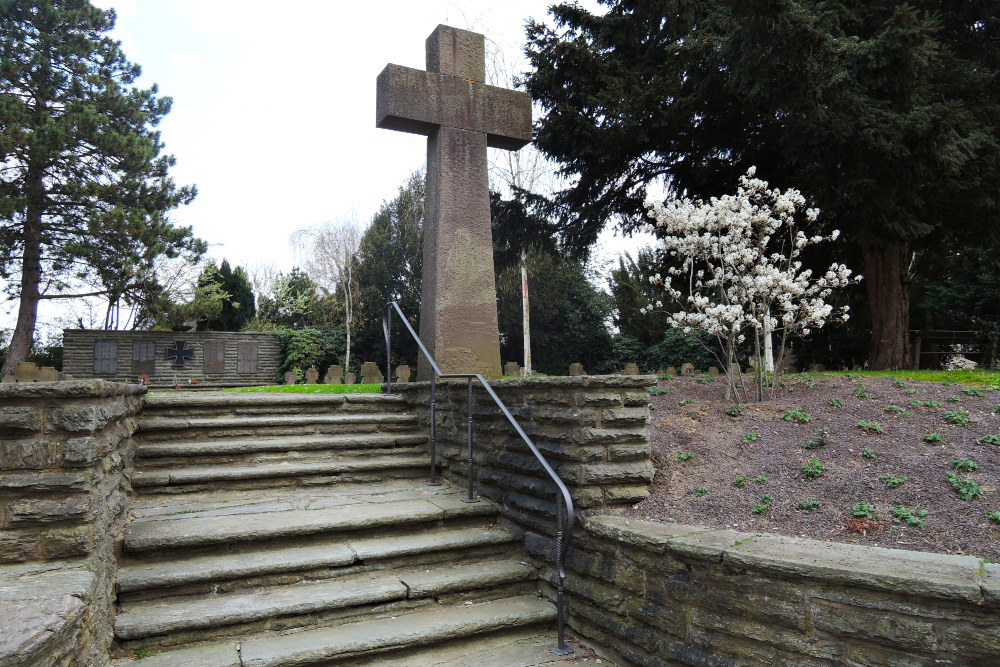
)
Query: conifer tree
[
  {"x": 84, "y": 190},
  {"x": 884, "y": 114}
]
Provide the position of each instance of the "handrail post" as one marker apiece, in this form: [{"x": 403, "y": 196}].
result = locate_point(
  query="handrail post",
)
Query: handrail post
[
  {"x": 433, "y": 481},
  {"x": 560, "y": 648},
  {"x": 387, "y": 329},
  {"x": 468, "y": 421}
]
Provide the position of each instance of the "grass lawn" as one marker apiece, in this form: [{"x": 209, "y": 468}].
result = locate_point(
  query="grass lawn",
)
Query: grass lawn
[
  {"x": 313, "y": 389},
  {"x": 976, "y": 378}
]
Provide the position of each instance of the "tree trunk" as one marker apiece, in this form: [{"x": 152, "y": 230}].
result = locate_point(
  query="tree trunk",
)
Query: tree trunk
[
  {"x": 27, "y": 311},
  {"x": 888, "y": 283}
]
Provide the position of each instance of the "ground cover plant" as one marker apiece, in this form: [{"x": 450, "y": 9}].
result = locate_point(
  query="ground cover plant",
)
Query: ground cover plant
[
  {"x": 765, "y": 472},
  {"x": 312, "y": 389}
]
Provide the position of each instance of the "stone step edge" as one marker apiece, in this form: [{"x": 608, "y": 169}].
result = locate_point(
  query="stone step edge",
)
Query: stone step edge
[
  {"x": 201, "y": 474},
  {"x": 345, "y": 553},
  {"x": 225, "y": 399},
  {"x": 276, "y": 444},
  {"x": 179, "y": 424},
  {"x": 417, "y": 628},
  {"x": 160, "y": 617},
  {"x": 164, "y": 534}
]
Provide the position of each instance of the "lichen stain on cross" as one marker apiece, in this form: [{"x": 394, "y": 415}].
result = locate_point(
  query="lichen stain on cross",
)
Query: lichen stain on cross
[{"x": 461, "y": 116}]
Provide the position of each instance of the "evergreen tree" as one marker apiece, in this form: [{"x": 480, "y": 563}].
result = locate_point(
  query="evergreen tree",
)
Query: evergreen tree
[
  {"x": 237, "y": 306},
  {"x": 84, "y": 191},
  {"x": 884, "y": 114}
]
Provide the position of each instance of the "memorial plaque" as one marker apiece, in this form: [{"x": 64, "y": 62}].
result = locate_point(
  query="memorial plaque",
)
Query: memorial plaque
[
  {"x": 105, "y": 357},
  {"x": 246, "y": 358},
  {"x": 213, "y": 356},
  {"x": 143, "y": 357}
]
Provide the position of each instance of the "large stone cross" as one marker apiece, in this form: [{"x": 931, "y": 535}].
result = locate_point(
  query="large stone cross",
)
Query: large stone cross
[{"x": 460, "y": 115}]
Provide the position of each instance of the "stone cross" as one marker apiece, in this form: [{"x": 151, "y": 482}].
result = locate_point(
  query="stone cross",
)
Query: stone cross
[{"x": 461, "y": 116}]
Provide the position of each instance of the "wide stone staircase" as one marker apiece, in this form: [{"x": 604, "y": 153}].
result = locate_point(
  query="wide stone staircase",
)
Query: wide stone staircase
[{"x": 285, "y": 529}]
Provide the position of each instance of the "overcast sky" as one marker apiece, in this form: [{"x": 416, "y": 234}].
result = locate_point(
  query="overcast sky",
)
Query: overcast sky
[{"x": 273, "y": 114}]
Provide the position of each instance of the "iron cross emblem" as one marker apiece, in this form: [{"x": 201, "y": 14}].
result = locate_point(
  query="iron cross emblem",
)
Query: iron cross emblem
[{"x": 179, "y": 353}]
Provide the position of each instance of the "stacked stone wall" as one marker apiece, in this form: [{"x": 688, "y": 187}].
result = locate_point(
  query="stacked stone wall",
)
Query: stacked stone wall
[{"x": 66, "y": 461}]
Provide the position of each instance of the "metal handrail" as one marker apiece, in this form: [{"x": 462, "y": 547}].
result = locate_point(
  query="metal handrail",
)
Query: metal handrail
[{"x": 563, "y": 498}]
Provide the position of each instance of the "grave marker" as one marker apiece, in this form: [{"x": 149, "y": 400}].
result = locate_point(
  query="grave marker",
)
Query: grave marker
[
  {"x": 631, "y": 369},
  {"x": 334, "y": 375},
  {"x": 576, "y": 369},
  {"x": 291, "y": 377},
  {"x": 461, "y": 116},
  {"x": 312, "y": 375},
  {"x": 403, "y": 373},
  {"x": 687, "y": 369}
]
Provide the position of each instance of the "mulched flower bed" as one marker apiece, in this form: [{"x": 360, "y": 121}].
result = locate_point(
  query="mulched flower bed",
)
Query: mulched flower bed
[{"x": 859, "y": 467}]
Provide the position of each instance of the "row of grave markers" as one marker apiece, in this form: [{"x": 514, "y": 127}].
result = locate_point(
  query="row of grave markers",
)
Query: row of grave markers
[
  {"x": 29, "y": 372},
  {"x": 370, "y": 374}
]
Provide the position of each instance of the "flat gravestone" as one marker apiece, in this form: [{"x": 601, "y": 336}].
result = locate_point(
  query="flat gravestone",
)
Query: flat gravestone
[
  {"x": 48, "y": 374},
  {"x": 576, "y": 370},
  {"x": 370, "y": 374},
  {"x": 334, "y": 375},
  {"x": 403, "y": 373},
  {"x": 349, "y": 378},
  {"x": 631, "y": 369},
  {"x": 291, "y": 377},
  {"x": 312, "y": 376},
  {"x": 461, "y": 116},
  {"x": 26, "y": 372}
]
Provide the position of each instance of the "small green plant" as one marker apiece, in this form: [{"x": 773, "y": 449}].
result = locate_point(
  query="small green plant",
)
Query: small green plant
[
  {"x": 835, "y": 402},
  {"x": 871, "y": 427},
  {"x": 894, "y": 410},
  {"x": 863, "y": 510},
  {"x": 993, "y": 516},
  {"x": 991, "y": 439},
  {"x": 933, "y": 437},
  {"x": 740, "y": 482},
  {"x": 860, "y": 393},
  {"x": 898, "y": 383},
  {"x": 893, "y": 481},
  {"x": 973, "y": 392},
  {"x": 957, "y": 417},
  {"x": 810, "y": 385},
  {"x": 752, "y": 436},
  {"x": 910, "y": 392},
  {"x": 142, "y": 652},
  {"x": 808, "y": 506},
  {"x": 996, "y": 409},
  {"x": 965, "y": 465},
  {"x": 813, "y": 468},
  {"x": 931, "y": 404},
  {"x": 686, "y": 456},
  {"x": 764, "y": 503},
  {"x": 656, "y": 390},
  {"x": 796, "y": 415},
  {"x": 967, "y": 489},
  {"x": 652, "y": 406},
  {"x": 868, "y": 452},
  {"x": 953, "y": 399},
  {"x": 734, "y": 410},
  {"x": 915, "y": 404},
  {"x": 902, "y": 513},
  {"x": 685, "y": 402},
  {"x": 946, "y": 384},
  {"x": 701, "y": 491},
  {"x": 760, "y": 479}
]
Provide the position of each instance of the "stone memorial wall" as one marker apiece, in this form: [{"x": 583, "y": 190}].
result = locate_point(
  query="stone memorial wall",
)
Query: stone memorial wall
[{"x": 195, "y": 359}]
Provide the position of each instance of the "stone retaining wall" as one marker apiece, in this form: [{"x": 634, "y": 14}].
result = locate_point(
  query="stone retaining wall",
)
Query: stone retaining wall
[
  {"x": 66, "y": 460},
  {"x": 664, "y": 594},
  {"x": 594, "y": 431}
]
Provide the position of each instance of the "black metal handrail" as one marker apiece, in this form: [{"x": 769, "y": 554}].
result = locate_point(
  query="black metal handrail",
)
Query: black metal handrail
[{"x": 563, "y": 499}]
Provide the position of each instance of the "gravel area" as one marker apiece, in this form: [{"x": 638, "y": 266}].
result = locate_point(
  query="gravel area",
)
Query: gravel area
[{"x": 858, "y": 465}]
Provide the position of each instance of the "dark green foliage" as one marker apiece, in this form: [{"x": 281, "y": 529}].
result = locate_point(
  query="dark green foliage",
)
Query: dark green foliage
[
  {"x": 957, "y": 417},
  {"x": 685, "y": 456},
  {"x": 309, "y": 347},
  {"x": 902, "y": 513},
  {"x": 84, "y": 190},
  {"x": 568, "y": 317},
  {"x": 863, "y": 509},
  {"x": 868, "y": 452},
  {"x": 966, "y": 488},
  {"x": 965, "y": 465},
  {"x": 813, "y": 468},
  {"x": 238, "y": 306},
  {"x": 808, "y": 506},
  {"x": 956, "y": 285},
  {"x": 893, "y": 481},
  {"x": 764, "y": 503},
  {"x": 877, "y": 110},
  {"x": 798, "y": 415},
  {"x": 296, "y": 302}
]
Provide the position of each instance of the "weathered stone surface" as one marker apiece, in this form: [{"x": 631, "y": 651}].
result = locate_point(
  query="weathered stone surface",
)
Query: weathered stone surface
[
  {"x": 894, "y": 629},
  {"x": 424, "y": 581},
  {"x": 28, "y": 454},
  {"x": 29, "y": 512},
  {"x": 56, "y": 481},
  {"x": 631, "y": 369},
  {"x": 213, "y": 655},
  {"x": 625, "y": 417},
  {"x": 576, "y": 369},
  {"x": 20, "y": 418},
  {"x": 68, "y": 542}
]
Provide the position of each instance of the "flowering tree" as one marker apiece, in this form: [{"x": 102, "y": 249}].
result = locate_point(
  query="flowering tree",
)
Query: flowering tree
[{"x": 738, "y": 273}]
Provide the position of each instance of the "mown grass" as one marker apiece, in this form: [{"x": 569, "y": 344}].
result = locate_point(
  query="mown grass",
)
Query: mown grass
[
  {"x": 975, "y": 378},
  {"x": 312, "y": 389}
]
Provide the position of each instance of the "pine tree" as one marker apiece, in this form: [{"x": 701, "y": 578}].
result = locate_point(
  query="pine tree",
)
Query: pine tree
[
  {"x": 884, "y": 114},
  {"x": 84, "y": 191}
]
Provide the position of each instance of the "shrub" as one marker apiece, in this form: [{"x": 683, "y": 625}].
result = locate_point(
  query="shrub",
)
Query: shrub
[
  {"x": 734, "y": 410},
  {"x": 796, "y": 415},
  {"x": 808, "y": 506},
  {"x": 965, "y": 465},
  {"x": 991, "y": 439},
  {"x": 656, "y": 390},
  {"x": 957, "y": 417},
  {"x": 901, "y": 512},
  {"x": 967, "y": 489},
  {"x": 835, "y": 402},
  {"x": 863, "y": 509},
  {"x": 860, "y": 393},
  {"x": 305, "y": 348},
  {"x": 764, "y": 503},
  {"x": 812, "y": 468}
]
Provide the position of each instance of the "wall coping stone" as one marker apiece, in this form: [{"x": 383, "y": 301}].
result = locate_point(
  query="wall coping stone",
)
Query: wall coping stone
[
  {"x": 931, "y": 575},
  {"x": 559, "y": 381},
  {"x": 236, "y": 398},
  {"x": 69, "y": 389}
]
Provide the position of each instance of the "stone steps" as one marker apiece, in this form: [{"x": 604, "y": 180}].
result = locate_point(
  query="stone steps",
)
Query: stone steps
[
  {"x": 159, "y": 429},
  {"x": 323, "y": 559},
  {"x": 174, "y": 451},
  {"x": 430, "y": 624},
  {"x": 224, "y": 404},
  {"x": 283, "y": 473},
  {"x": 305, "y": 604}
]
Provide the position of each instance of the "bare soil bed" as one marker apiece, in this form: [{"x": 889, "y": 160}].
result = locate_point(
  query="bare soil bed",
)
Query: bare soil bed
[{"x": 857, "y": 464}]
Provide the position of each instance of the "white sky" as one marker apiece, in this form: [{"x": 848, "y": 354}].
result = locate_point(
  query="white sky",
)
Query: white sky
[{"x": 273, "y": 114}]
